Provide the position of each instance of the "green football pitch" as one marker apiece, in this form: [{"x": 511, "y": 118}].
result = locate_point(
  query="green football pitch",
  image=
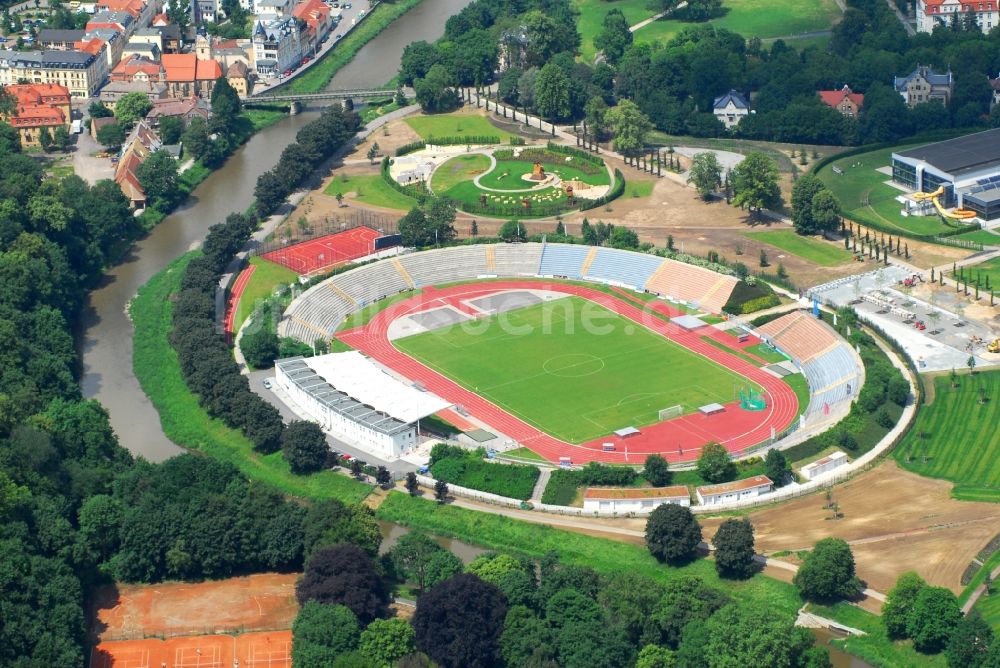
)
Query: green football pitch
[{"x": 572, "y": 368}]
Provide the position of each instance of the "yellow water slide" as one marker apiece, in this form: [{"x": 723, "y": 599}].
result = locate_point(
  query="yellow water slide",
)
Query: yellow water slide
[{"x": 957, "y": 214}]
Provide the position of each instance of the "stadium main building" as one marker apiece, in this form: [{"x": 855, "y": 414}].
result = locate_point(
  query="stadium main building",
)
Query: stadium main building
[{"x": 967, "y": 168}]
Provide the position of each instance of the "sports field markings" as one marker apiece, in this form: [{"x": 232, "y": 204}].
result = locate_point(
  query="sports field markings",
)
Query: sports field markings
[
  {"x": 198, "y": 657},
  {"x": 585, "y": 367}
]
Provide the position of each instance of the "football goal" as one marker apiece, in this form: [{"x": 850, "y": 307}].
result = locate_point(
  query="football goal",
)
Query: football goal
[{"x": 672, "y": 412}]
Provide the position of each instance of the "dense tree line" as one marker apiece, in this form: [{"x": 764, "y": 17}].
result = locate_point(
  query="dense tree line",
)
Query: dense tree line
[
  {"x": 674, "y": 83},
  {"x": 313, "y": 144}
]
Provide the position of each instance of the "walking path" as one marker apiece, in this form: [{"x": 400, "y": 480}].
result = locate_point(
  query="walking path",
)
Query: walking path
[
  {"x": 979, "y": 591},
  {"x": 543, "y": 480},
  {"x": 907, "y": 26}
]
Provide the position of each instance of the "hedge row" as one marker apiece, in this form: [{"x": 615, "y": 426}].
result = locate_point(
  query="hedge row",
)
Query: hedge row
[
  {"x": 460, "y": 140},
  {"x": 563, "y": 483},
  {"x": 576, "y": 153},
  {"x": 617, "y": 190},
  {"x": 465, "y": 468},
  {"x": 410, "y": 148},
  {"x": 417, "y": 190}
]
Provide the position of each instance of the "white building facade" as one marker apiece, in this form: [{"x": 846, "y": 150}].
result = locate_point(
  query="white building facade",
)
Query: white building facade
[
  {"x": 824, "y": 465},
  {"x": 738, "y": 490},
  {"x": 633, "y": 500},
  {"x": 933, "y": 13}
]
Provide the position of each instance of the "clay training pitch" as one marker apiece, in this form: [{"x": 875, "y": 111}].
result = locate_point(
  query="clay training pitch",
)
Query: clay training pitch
[{"x": 573, "y": 369}]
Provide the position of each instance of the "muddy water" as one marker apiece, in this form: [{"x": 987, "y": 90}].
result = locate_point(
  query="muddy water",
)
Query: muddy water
[
  {"x": 105, "y": 336},
  {"x": 838, "y": 657},
  {"x": 393, "y": 532}
]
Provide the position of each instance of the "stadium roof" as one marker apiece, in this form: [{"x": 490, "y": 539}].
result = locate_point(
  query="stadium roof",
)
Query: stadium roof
[
  {"x": 974, "y": 152},
  {"x": 355, "y": 375}
]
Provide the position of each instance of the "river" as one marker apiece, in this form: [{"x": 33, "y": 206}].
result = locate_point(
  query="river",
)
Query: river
[{"x": 105, "y": 336}]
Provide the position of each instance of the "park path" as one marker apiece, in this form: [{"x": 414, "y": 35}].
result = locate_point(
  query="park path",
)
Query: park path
[
  {"x": 978, "y": 592},
  {"x": 543, "y": 480}
]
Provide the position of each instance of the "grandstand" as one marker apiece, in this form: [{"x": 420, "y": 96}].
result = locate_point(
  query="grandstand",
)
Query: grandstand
[
  {"x": 319, "y": 311},
  {"x": 623, "y": 268},
  {"x": 831, "y": 368},
  {"x": 698, "y": 286}
]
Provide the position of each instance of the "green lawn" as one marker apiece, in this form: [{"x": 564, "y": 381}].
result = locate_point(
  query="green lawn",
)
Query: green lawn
[
  {"x": 823, "y": 253},
  {"x": 766, "y": 353},
  {"x": 635, "y": 188},
  {"x": 371, "y": 190},
  {"x": 984, "y": 237},
  {"x": 962, "y": 443},
  {"x": 572, "y": 368},
  {"x": 265, "y": 277},
  {"x": 185, "y": 422},
  {"x": 990, "y": 268},
  {"x": 454, "y": 125},
  {"x": 458, "y": 170},
  {"x": 756, "y": 18},
  {"x": 508, "y": 175},
  {"x": 592, "y": 16},
  {"x": 866, "y": 197}
]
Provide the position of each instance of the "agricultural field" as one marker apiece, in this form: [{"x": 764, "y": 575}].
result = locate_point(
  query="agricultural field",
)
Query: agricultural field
[
  {"x": 866, "y": 198},
  {"x": 954, "y": 437},
  {"x": 369, "y": 189},
  {"x": 618, "y": 374},
  {"x": 823, "y": 253},
  {"x": 455, "y": 125}
]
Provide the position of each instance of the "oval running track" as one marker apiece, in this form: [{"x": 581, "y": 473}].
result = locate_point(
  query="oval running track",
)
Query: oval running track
[{"x": 678, "y": 440}]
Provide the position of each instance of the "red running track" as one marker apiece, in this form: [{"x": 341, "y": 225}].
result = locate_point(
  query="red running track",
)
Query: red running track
[
  {"x": 678, "y": 440},
  {"x": 326, "y": 252},
  {"x": 234, "y": 298}
]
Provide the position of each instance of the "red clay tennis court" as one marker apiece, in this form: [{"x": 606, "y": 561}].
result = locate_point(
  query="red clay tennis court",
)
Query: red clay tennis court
[
  {"x": 272, "y": 649},
  {"x": 325, "y": 252}
]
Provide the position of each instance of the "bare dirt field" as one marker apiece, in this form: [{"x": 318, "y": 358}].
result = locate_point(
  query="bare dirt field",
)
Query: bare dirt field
[
  {"x": 895, "y": 521},
  {"x": 259, "y": 602}
]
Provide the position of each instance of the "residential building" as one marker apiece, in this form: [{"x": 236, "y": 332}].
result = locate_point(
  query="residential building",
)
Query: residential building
[
  {"x": 40, "y": 108},
  {"x": 143, "y": 49},
  {"x": 173, "y": 41},
  {"x": 142, "y": 142},
  {"x": 316, "y": 16},
  {"x": 633, "y": 499},
  {"x": 208, "y": 10},
  {"x": 120, "y": 21},
  {"x": 183, "y": 108},
  {"x": 112, "y": 38},
  {"x": 995, "y": 87},
  {"x": 138, "y": 68},
  {"x": 738, "y": 490},
  {"x": 185, "y": 75},
  {"x": 731, "y": 108},
  {"x": 230, "y": 51},
  {"x": 933, "y": 13},
  {"x": 844, "y": 100},
  {"x": 99, "y": 49},
  {"x": 276, "y": 46},
  {"x": 148, "y": 35},
  {"x": 78, "y": 71},
  {"x": 142, "y": 11},
  {"x": 924, "y": 85},
  {"x": 241, "y": 78},
  {"x": 58, "y": 40},
  {"x": 274, "y": 9},
  {"x": 114, "y": 91}
]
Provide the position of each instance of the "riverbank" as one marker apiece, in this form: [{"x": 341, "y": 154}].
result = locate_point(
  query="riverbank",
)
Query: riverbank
[{"x": 183, "y": 419}]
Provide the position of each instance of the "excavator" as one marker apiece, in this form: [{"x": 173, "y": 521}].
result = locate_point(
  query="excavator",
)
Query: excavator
[
  {"x": 993, "y": 346},
  {"x": 957, "y": 214}
]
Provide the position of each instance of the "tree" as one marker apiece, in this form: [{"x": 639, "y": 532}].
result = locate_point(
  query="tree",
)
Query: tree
[
  {"x": 933, "y": 618},
  {"x": 734, "y": 549},
  {"x": 158, "y": 177},
  {"x": 412, "y": 486},
  {"x": 752, "y": 634},
  {"x": 656, "y": 471},
  {"x": 131, "y": 107},
  {"x": 304, "y": 446},
  {"x": 111, "y": 135},
  {"x": 331, "y": 522},
  {"x": 344, "y": 575},
  {"x": 373, "y": 152},
  {"x": 458, "y": 622},
  {"x": 552, "y": 93},
  {"x": 714, "y": 464},
  {"x": 629, "y": 126},
  {"x": 776, "y": 467},
  {"x": 60, "y": 139},
  {"x": 386, "y": 641},
  {"x": 623, "y": 238},
  {"x": 827, "y": 574},
  {"x": 435, "y": 92},
  {"x": 970, "y": 642},
  {"x": 755, "y": 183},
  {"x": 615, "y": 36},
  {"x": 171, "y": 129},
  {"x": 805, "y": 188},
  {"x": 655, "y": 656},
  {"x": 706, "y": 174},
  {"x": 225, "y": 107},
  {"x": 195, "y": 138},
  {"x": 526, "y": 640},
  {"x": 441, "y": 491},
  {"x": 511, "y": 231},
  {"x": 382, "y": 477},
  {"x": 260, "y": 348},
  {"x": 98, "y": 109},
  {"x": 410, "y": 556},
  {"x": 322, "y": 632},
  {"x": 672, "y": 533},
  {"x": 826, "y": 211}
]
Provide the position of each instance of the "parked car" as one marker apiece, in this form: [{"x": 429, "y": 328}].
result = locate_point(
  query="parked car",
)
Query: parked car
[
  {"x": 267, "y": 383},
  {"x": 337, "y": 36},
  {"x": 306, "y": 60},
  {"x": 287, "y": 73}
]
